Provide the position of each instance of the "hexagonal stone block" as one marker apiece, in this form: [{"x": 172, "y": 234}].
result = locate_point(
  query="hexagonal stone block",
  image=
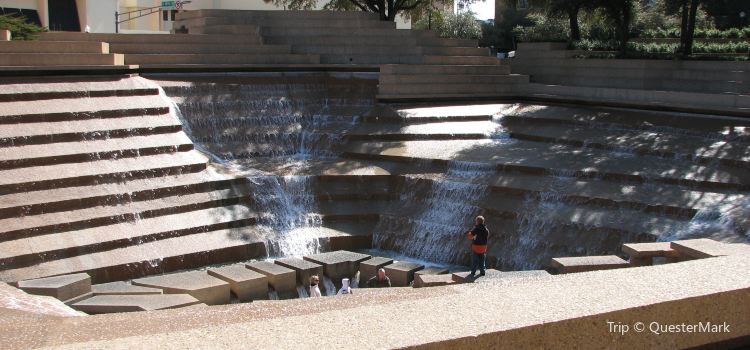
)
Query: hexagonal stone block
[
  {"x": 122, "y": 288},
  {"x": 246, "y": 284},
  {"x": 102, "y": 304},
  {"x": 304, "y": 269},
  {"x": 402, "y": 273},
  {"x": 588, "y": 263},
  {"x": 198, "y": 284},
  {"x": 432, "y": 280},
  {"x": 339, "y": 264},
  {"x": 65, "y": 287},
  {"x": 369, "y": 268},
  {"x": 283, "y": 280},
  {"x": 707, "y": 248}
]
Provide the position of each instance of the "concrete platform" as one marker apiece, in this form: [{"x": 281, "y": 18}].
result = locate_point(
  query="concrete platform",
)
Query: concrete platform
[
  {"x": 588, "y": 263},
  {"x": 431, "y": 271},
  {"x": 402, "y": 273},
  {"x": 122, "y": 288},
  {"x": 283, "y": 280},
  {"x": 198, "y": 284},
  {"x": 303, "y": 268},
  {"x": 707, "y": 248},
  {"x": 246, "y": 284},
  {"x": 339, "y": 264},
  {"x": 369, "y": 268},
  {"x": 102, "y": 304},
  {"x": 432, "y": 280},
  {"x": 63, "y": 287},
  {"x": 643, "y": 253}
]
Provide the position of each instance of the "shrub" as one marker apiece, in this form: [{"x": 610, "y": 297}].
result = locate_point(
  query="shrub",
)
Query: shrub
[
  {"x": 544, "y": 29},
  {"x": 19, "y": 28}
]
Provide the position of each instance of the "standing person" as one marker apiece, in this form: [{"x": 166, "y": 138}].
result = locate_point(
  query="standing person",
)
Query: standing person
[
  {"x": 478, "y": 236},
  {"x": 345, "y": 289},
  {"x": 314, "y": 288},
  {"x": 379, "y": 281}
]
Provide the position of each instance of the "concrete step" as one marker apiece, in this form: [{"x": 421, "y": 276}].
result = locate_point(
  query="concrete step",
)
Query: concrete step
[
  {"x": 74, "y": 175},
  {"x": 15, "y": 135},
  {"x": 370, "y": 59},
  {"x": 399, "y": 69},
  {"x": 32, "y": 89},
  {"x": 353, "y": 33},
  {"x": 60, "y": 59},
  {"x": 499, "y": 87},
  {"x": 65, "y": 244},
  {"x": 588, "y": 263},
  {"x": 62, "y": 288},
  {"x": 541, "y": 158},
  {"x": 707, "y": 248},
  {"x": 198, "y": 284},
  {"x": 285, "y": 22},
  {"x": 338, "y": 40},
  {"x": 147, "y": 38},
  {"x": 19, "y": 46},
  {"x": 437, "y": 41},
  {"x": 205, "y": 48},
  {"x": 35, "y": 225},
  {"x": 642, "y": 254},
  {"x": 232, "y": 29},
  {"x": 280, "y": 278},
  {"x": 358, "y": 50},
  {"x": 388, "y": 79},
  {"x": 105, "y": 304},
  {"x": 244, "y": 283},
  {"x": 461, "y": 60},
  {"x": 178, "y": 253},
  {"x": 72, "y": 198},
  {"x": 57, "y": 110},
  {"x": 122, "y": 288},
  {"x": 85, "y": 151},
  {"x": 455, "y": 51},
  {"x": 153, "y": 59}
]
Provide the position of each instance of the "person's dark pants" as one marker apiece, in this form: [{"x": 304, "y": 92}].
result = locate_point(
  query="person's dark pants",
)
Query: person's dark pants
[{"x": 478, "y": 261}]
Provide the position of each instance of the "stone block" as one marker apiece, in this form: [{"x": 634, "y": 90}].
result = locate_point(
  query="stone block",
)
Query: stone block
[
  {"x": 588, "y": 263},
  {"x": 402, "y": 273},
  {"x": 246, "y": 284},
  {"x": 432, "y": 271},
  {"x": 339, "y": 264},
  {"x": 63, "y": 287},
  {"x": 642, "y": 254},
  {"x": 369, "y": 268},
  {"x": 283, "y": 280},
  {"x": 303, "y": 268},
  {"x": 122, "y": 288},
  {"x": 5, "y": 35},
  {"x": 707, "y": 248},
  {"x": 102, "y": 304},
  {"x": 432, "y": 280},
  {"x": 495, "y": 275},
  {"x": 198, "y": 284}
]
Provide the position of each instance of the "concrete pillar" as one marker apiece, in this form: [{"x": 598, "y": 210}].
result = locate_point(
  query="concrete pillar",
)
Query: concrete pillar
[{"x": 43, "y": 10}]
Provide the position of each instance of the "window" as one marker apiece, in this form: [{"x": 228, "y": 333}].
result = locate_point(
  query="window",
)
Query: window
[
  {"x": 173, "y": 14},
  {"x": 165, "y": 15}
]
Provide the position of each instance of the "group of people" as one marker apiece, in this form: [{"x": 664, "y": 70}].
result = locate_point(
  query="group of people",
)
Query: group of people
[
  {"x": 378, "y": 281},
  {"x": 479, "y": 236}
]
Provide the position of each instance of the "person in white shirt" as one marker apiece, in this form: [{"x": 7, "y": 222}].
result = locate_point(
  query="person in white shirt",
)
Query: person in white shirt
[
  {"x": 345, "y": 288},
  {"x": 314, "y": 289}
]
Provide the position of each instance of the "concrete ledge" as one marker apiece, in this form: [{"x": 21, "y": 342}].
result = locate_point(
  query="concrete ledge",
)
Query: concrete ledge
[
  {"x": 402, "y": 273},
  {"x": 122, "y": 288},
  {"x": 588, "y": 263},
  {"x": 432, "y": 280},
  {"x": 339, "y": 264},
  {"x": 643, "y": 253},
  {"x": 304, "y": 269},
  {"x": 708, "y": 248},
  {"x": 198, "y": 284},
  {"x": 281, "y": 279},
  {"x": 369, "y": 268},
  {"x": 65, "y": 287},
  {"x": 101, "y": 304},
  {"x": 246, "y": 284}
]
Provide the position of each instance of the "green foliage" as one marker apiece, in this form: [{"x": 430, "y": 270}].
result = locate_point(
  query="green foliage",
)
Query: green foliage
[
  {"x": 19, "y": 28},
  {"x": 698, "y": 47},
  {"x": 501, "y": 35},
  {"x": 732, "y": 33},
  {"x": 543, "y": 28},
  {"x": 448, "y": 25}
]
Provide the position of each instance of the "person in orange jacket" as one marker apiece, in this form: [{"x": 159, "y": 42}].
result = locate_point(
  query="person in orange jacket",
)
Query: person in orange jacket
[{"x": 478, "y": 236}]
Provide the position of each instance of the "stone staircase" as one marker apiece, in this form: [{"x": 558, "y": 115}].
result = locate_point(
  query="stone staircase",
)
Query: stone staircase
[
  {"x": 66, "y": 52},
  {"x": 409, "y": 60}
]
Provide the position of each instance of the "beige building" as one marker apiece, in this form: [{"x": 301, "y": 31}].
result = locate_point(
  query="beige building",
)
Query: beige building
[{"x": 134, "y": 16}]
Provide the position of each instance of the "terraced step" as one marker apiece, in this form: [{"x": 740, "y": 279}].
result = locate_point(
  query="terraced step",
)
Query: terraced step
[
  {"x": 369, "y": 59},
  {"x": 453, "y": 79},
  {"x": 80, "y": 47},
  {"x": 337, "y": 40},
  {"x": 437, "y": 41},
  {"x": 73, "y": 175},
  {"x": 355, "y": 32},
  {"x": 87, "y": 130},
  {"x": 270, "y": 14},
  {"x": 61, "y": 59},
  {"x": 232, "y": 29},
  {"x": 147, "y": 38},
  {"x": 505, "y": 84},
  {"x": 540, "y": 158},
  {"x": 200, "y": 48},
  {"x": 333, "y": 22},
  {"x": 72, "y": 198},
  {"x": 27, "y": 89},
  {"x": 229, "y": 58},
  {"x": 357, "y": 50},
  {"x": 84, "y": 151},
  {"x": 437, "y": 69},
  {"x": 456, "y": 51},
  {"x": 461, "y": 60},
  {"x": 63, "y": 244},
  {"x": 81, "y": 109},
  {"x": 184, "y": 252}
]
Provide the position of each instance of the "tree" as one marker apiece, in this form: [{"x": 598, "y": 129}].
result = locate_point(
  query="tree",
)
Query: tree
[
  {"x": 569, "y": 8},
  {"x": 621, "y": 12},
  {"x": 386, "y": 9},
  {"x": 688, "y": 10}
]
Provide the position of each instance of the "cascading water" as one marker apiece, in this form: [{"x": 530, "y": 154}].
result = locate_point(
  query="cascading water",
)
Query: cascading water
[{"x": 726, "y": 222}]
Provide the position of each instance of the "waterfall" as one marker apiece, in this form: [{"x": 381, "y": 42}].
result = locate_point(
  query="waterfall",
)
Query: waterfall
[
  {"x": 328, "y": 286},
  {"x": 727, "y": 222}
]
